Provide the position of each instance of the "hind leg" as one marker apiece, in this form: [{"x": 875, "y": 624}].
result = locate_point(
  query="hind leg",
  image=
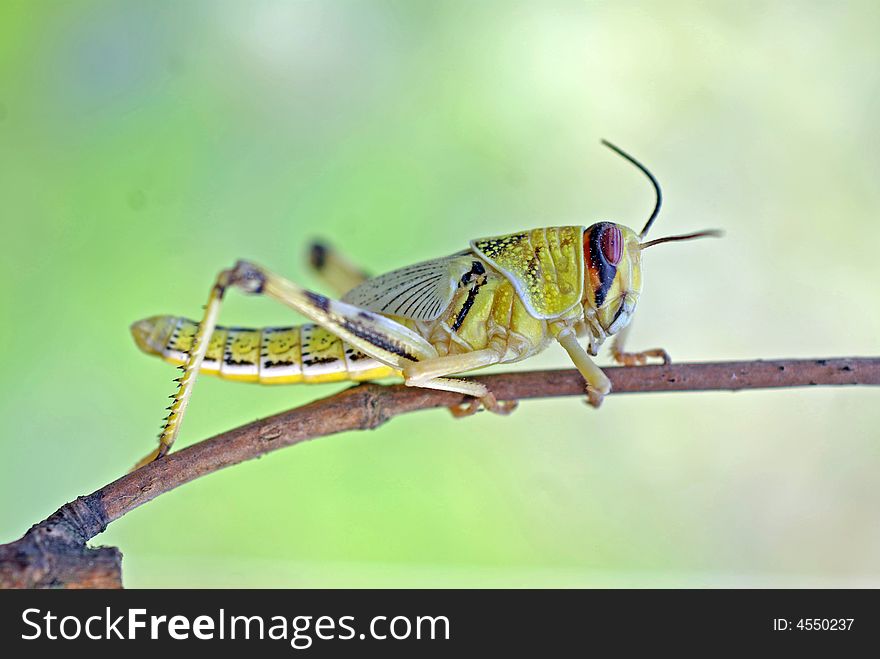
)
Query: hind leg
[
  {"x": 382, "y": 338},
  {"x": 340, "y": 274},
  {"x": 186, "y": 382},
  {"x": 375, "y": 335},
  {"x": 379, "y": 337}
]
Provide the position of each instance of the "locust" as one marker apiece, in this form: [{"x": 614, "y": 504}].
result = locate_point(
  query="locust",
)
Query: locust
[{"x": 501, "y": 300}]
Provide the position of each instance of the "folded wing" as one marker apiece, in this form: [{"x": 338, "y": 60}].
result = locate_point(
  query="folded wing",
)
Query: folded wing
[{"x": 421, "y": 291}]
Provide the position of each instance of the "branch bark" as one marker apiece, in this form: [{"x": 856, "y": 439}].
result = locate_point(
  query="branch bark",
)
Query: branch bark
[{"x": 53, "y": 553}]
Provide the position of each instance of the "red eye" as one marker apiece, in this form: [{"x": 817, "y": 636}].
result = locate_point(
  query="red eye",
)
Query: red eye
[{"x": 611, "y": 243}]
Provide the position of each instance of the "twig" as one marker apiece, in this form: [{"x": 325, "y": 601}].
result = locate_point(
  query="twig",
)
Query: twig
[{"x": 53, "y": 553}]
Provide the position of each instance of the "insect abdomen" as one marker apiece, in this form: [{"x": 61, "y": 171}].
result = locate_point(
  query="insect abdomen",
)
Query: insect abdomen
[{"x": 272, "y": 355}]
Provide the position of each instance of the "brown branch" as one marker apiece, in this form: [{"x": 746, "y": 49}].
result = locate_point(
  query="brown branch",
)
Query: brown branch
[{"x": 53, "y": 553}]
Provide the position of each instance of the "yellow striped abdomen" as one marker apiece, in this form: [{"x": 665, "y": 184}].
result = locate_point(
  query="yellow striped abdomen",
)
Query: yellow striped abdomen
[{"x": 271, "y": 355}]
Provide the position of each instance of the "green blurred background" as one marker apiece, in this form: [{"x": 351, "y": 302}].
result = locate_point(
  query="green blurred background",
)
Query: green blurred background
[{"x": 143, "y": 146}]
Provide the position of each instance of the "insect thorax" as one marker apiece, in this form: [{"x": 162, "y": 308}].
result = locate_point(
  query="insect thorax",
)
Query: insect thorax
[{"x": 485, "y": 310}]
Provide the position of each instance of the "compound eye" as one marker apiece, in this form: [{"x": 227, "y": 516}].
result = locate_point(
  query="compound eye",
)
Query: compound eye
[{"x": 611, "y": 243}]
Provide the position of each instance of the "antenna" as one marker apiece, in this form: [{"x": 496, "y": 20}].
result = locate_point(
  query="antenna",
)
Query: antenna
[
  {"x": 651, "y": 178},
  {"x": 713, "y": 233}
]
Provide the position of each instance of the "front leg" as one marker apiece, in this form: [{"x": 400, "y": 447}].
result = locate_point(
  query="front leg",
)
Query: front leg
[
  {"x": 598, "y": 384},
  {"x": 634, "y": 358}
]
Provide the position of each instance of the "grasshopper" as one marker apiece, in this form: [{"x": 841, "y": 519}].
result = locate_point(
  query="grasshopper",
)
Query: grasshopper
[{"x": 504, "y": 299}]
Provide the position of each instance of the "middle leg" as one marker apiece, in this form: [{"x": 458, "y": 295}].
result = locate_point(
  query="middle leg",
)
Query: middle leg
[{"x": 430, "y": 373}]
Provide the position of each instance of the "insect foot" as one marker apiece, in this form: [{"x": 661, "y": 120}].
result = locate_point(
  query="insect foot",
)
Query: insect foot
[
  {"x": 488, "y": 402},
  {"x": 465, "y": 409},
  {"x": 595, "y": 397},
  {"x": 640, "y": 358},
  {"x": 503, "y": 407}
]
